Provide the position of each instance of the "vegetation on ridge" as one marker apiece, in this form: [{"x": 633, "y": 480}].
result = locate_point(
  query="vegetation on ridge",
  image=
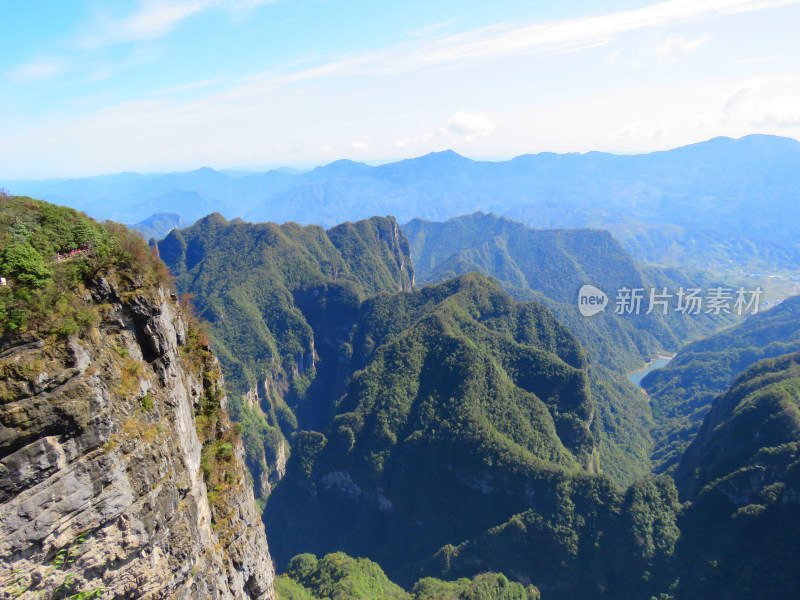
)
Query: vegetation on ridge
[
  {"x": 338, "y": 576},
  {"x": 48, "y": 254},
  {"x": 682, "y": 392},
  {"x": 550, "y": 266},
  {"x": 445, "y": 385},
  {"x": 265, "y": 292}
]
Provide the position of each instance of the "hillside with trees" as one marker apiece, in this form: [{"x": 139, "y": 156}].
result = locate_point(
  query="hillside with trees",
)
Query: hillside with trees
[
  {"x": 550, "y": 266},
  {"x": 682, "y": 392}
]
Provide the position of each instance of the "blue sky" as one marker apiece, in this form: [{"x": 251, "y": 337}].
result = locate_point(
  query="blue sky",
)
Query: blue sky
[{"x": 163, "y": 85}]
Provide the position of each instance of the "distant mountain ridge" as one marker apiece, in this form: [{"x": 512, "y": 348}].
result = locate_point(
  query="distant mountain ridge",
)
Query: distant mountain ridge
[
  {"x": 722, "y": 202},
  {"x": 158, "y": 225}
]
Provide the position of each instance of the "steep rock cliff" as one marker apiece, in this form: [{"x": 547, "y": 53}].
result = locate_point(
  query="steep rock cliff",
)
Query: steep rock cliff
[{"x": 120, "y": 473}]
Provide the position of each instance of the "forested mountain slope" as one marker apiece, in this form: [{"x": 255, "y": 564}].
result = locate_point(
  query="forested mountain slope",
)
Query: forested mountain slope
[
  {"x": 471, "y": 408},
  {"x": 242, "y": 277},
  {"x": 734, "y": 537},
  {"x": 340, "y": 576},
  {"x": 258, "y": 288},
  {"x": 452, "y": 430},
  {"x": 742, "y": 475},
  {"x": 681, "y": 393},
  {"x": 551, "y": 266}
]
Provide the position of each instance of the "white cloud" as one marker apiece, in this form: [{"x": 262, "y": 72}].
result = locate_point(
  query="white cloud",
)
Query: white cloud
[
  {"x": 783, "y": 112},
  {"x": 671, "y": 48},
  {"x": 150, "y": 19},
  {"x": 766, "y": 102},
  {"x": 462, "y": 127},
  {"x": 36, "y": 70},
  {"x": 740, "y": 93},
  {"x": 562, "y": 36},
  {"x": 550, "y": 37},
  {"x": 755, "y": 61},
  {"x": 704, "y": 121},
  {"x": 418, "y": 140},
  {"x": 360, "y": 146},
  {"x": 469, "y": 125},
  {"x": 155, "y": 18}
]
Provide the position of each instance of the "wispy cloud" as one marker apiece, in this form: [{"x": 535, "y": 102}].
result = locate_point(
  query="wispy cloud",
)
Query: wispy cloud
[
  {"x": 637, "y": 131},
  {"x": 417, "y": 140},
  {"x": 462, "y": 127},
  {"x": 613, "y": 57},
  {"x": 152, "y": 19},
  {"x": 547, "y": 38},
  {"x": 39, "y": 69},
  {"x": 469, "y": 125},
  {"x": 741, "y": 92},
  {"x": 671, "y": 48},
  {"x": 766, "y": 102},
  {"x": 430, "y": 29},
  {"x": 783, "y": 112},
  {"x": 705, "y": 121},
  {"x": 190, "y": 86}
]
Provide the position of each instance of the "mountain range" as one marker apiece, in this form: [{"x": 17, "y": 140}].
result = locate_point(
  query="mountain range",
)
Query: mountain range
[
  {"x": 691, "y": 206},
  {"x": 429, "y": 397},
  {"x": 419, "y": 411}
]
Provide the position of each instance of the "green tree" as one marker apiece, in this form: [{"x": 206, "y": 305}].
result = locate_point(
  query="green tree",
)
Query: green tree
[{"x": 22, "y": 262}]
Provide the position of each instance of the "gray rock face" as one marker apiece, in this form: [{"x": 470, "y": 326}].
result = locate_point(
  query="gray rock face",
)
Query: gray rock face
[{"x": 109, "y": 483}]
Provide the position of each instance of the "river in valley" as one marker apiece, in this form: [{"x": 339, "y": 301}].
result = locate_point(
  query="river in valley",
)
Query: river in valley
[{"x": 636, "y": 377}]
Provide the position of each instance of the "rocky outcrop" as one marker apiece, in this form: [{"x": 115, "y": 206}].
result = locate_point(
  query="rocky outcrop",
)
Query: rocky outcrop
[
  {"x": 397, "y": 244},
  {"x": 120, "y": 474}
]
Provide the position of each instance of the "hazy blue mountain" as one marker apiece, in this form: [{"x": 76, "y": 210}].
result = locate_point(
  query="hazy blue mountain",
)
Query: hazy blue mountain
[
  {"x": 130, "y": 197},
  {"x": 722, "y": 202},
  {"x": 158, "y": 225}
]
